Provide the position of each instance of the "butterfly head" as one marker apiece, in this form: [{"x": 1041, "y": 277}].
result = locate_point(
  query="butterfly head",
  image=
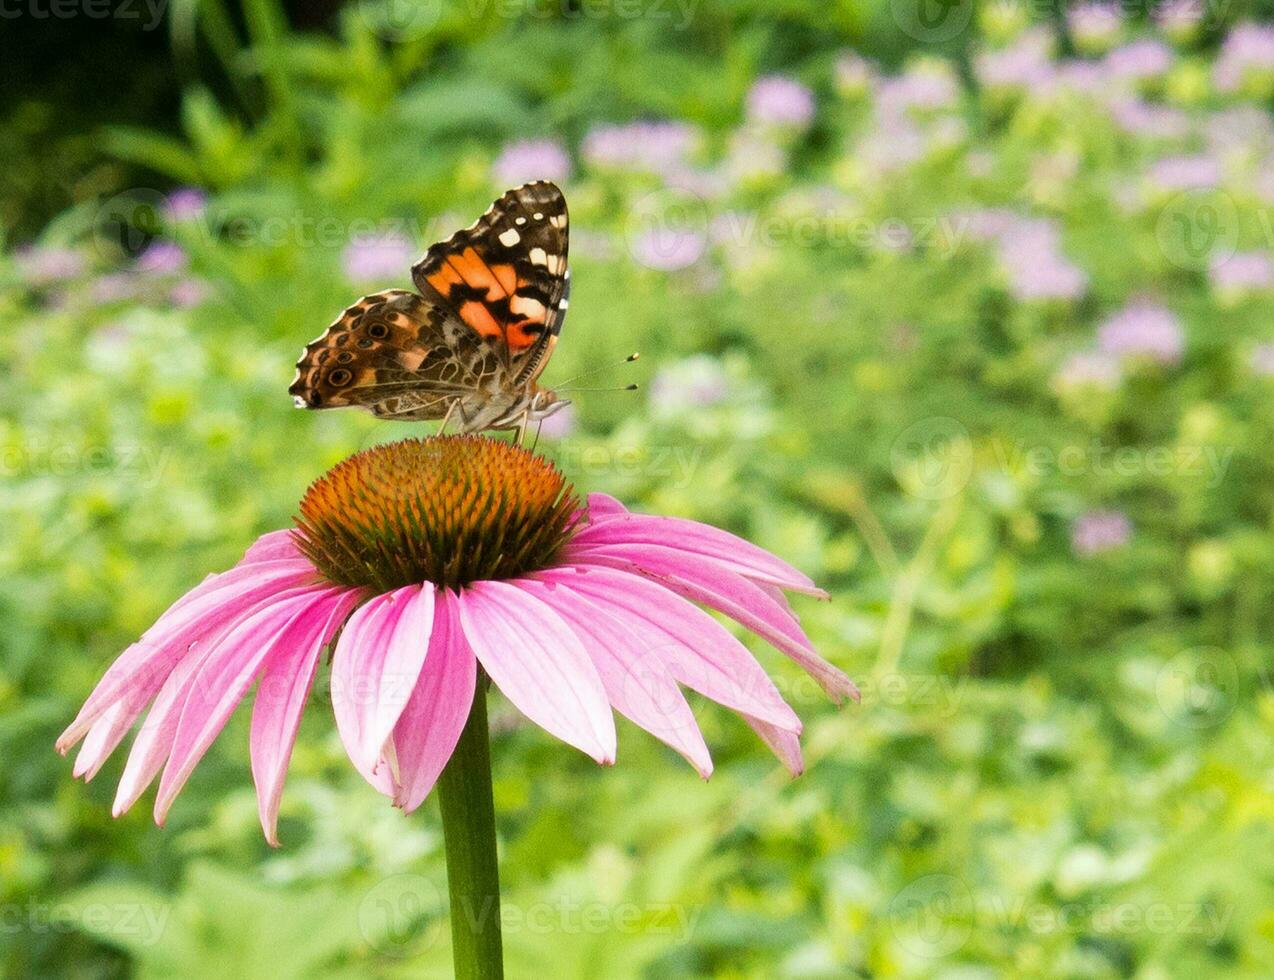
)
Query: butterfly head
[{"x": 546, "y": 402}]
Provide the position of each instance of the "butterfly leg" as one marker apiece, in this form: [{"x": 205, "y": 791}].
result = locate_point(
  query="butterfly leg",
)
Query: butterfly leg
[{"x": 447, "y": 418}]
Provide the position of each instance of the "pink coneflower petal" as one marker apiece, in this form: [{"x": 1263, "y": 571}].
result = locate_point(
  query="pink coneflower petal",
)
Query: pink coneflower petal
[
  {"x": 273, "y": 546},
  {"x": 276, "y": 715},
  {"x": 702, "y": 539},
  {"x": 637, "y": 683},
  {"x": 211, "y": 605},
  {"x": 227, "y": 674},
  {"x": 784, "y": 744},
  {"x": 696, "y": 649},
  {"x": 539, "y": 665},
  {"x": 377, "y": 660},
  {"x": 430, "y": 725},
  {"x": 107, "y": 732},
  {"x": 704, "y": 581}
]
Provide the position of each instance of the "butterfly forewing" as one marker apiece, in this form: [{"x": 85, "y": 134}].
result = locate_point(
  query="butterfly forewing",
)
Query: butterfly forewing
[
  {"x": 506, "y": 275},
  {"x": 491, "y": 304}
]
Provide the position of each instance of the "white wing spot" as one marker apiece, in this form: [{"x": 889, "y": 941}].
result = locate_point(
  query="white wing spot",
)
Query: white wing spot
[
  {"x": 510, "y": 238},
  {"x": 538, "y": 216},
  {"x": 562, "y": 304},
  {"x": 539, "y": 257},
  {"x": 519, "y": 220}
]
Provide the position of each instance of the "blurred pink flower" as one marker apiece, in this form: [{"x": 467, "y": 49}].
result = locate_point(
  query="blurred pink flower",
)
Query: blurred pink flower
[
  {"x": 44, "y": 265},
  {"x": 378, "y": 257},
  {"x": 1140, "y": 59},
  {"x": 189, "y": 292},
  {"x": 528, "y": 160},
  {"x": 1241, "y": 272},
  {"x": 1143, "y": 329},
  {"x": 1094, "y": 26},
  {"x": 1099, "y": 531},
  {"x": 649, "y": 147},
  {"x": 162, "y": 258},
  {"x": 776, "y": 100},
  {"x": 1262, "y": 360},
  {"x": 1248, "y": 50},
  {"x": 1089, "y": 369},
  {"x": 185, "y": 204},
  {"x": 560, "y": 424},
  {"x": 1181, "y": 173}
]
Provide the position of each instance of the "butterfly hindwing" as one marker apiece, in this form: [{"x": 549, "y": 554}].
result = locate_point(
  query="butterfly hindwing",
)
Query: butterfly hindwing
[
  {"x": 393, "y": 353},
  {"x": 506, "y": 275}
]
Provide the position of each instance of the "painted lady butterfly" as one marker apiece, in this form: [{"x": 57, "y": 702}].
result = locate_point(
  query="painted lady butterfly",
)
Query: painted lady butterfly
[{"x": 471, "y": 343}]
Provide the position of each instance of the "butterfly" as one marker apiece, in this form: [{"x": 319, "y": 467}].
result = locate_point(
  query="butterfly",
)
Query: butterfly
[{"x": 470, "y": 345}]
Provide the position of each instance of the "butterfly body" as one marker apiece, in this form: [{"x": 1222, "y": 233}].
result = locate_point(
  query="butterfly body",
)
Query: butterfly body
[{"x": 469, "y": 346}]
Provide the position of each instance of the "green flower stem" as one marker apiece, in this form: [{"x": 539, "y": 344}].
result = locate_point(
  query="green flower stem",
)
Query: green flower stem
[{"x": 468, "y": 826}]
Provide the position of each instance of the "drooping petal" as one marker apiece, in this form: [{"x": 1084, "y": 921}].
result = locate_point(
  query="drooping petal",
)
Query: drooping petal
[
  {"x": 376, "y": 664},
  {"x": 785, "y": 746},
  {"x": 636, "y": 680},
  {"x": 202, "y": 612},
  {"x": 430, "y": 725},
  {"x": 698, "y": 651},
  {"x": 228, "y": 672},
  {"x": 281, "y": 695},
  {"x": 691, "y": 536},
  {"x": 108, "y": 731},
  {"x": 539, "y": 664},
  {"x": 705, "y": 581}
]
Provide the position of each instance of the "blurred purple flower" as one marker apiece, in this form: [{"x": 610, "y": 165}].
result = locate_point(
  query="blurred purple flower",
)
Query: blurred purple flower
[
  {"x": 1085, "y": 77},
  {"x": 185, "y": 204},
  {"x": 1239, "y": 131},
  {"x": 1141, "y": 59},
  {"x": 1241, "y": 272},
  {"x": 526, "y": 160},
  {"x": 752, "y": 157},
  {"x": 1030, "y": 252},
  {"x": 1098, "y": 531},
  {"x": 1143, "y": 329},
  {"x": 927, "y": 88},
  {"x": 41, "y": 265},
  {"x": 560, "y": 424},
  {"x": 189, "y": 292},
  {"x": 1182, "y": 173},
  {"x": 1094, "y": 26},
  {"x": 1025, "y": 64},
  {"x": 1179, "y": 19},
  {"x": 854, "y": 75},
  {"x": 776, "y": 100},
  {"x": 651, "y": 147},
  {"x": 114, "y": 287},
  {"x": 668, "y": 249},
  {"x": 375, "y": 257},
  {"x": 1140, "y": 118},
  {"x": 1248, "y": 50},
  {"x": 1089, "y": 369},
  {"x": 696, "y": 382},
  {"x": 1262, "y": 360},
  {"x": 162, "y": 258}
]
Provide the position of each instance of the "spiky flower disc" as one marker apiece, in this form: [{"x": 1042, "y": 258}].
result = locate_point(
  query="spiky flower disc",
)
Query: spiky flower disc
[{"x": 448, "y": 510}]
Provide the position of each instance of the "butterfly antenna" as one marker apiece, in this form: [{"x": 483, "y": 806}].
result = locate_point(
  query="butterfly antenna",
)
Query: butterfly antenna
[{"x": 627, "y": 360}]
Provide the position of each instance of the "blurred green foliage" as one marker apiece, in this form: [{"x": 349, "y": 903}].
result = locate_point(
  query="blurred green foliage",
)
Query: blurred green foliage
[{"x": 1061, "y": 764}]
